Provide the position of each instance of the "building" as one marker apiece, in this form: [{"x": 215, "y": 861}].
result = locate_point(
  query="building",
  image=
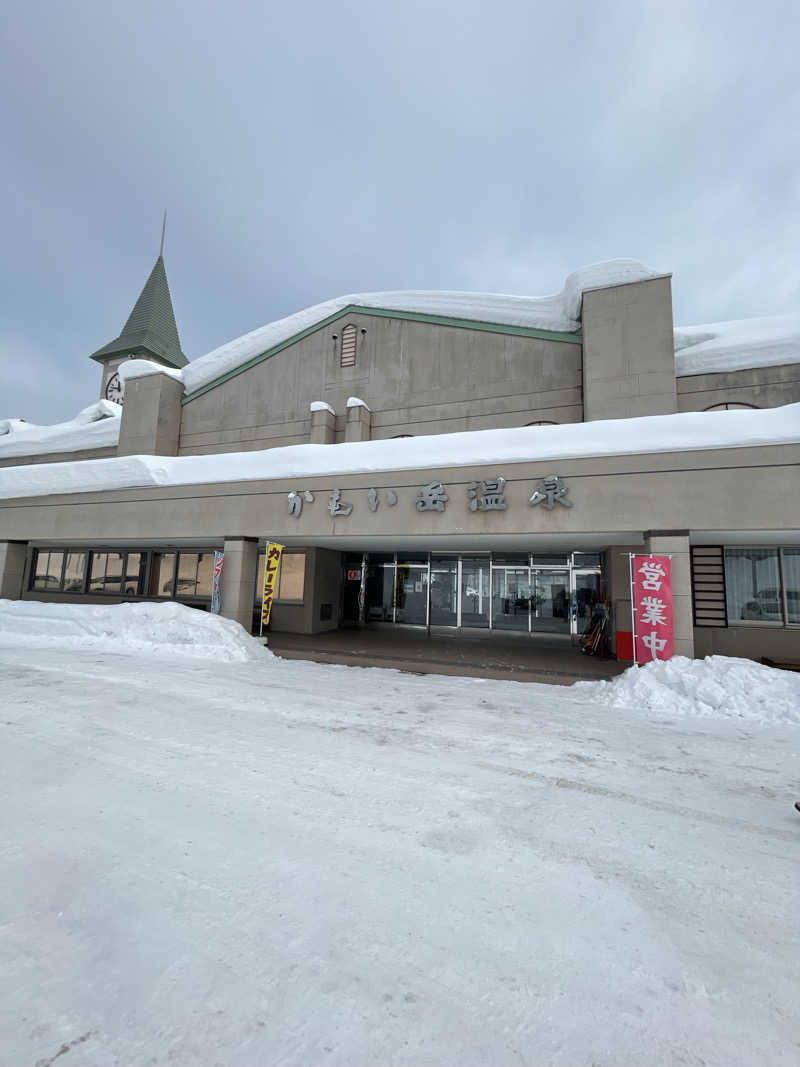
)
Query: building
[{"x": 466, "y": 461}]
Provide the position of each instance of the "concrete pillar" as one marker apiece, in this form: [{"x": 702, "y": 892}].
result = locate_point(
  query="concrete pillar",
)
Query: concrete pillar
[
  {"x": 359, "y": 423},
  {"x": 676, "y": 544},
  {"x": 628, "y": 351},
  {"x": 12, "y": 569},
  {"x": 151, "y": 416},
  {"x": 323, "y": 427},
  {"x": 239, "y": 579}
]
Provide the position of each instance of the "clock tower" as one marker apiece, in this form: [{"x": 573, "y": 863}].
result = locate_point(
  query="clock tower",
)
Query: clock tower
[{"x": 150, "y": 333}]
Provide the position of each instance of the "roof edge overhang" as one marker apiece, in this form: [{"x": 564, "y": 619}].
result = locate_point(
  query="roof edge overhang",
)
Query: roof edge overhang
[{"x": 574, "y": 338}]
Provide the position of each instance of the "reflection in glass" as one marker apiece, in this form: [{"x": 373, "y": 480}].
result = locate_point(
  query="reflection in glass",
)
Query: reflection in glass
[
  {"x": 444, "y": 591},
  {"x": 205, "y": 574},
  {"x": 75, "y": 572},
  {"x": 511, "y": 597},
  {"x": 475, "y": 592},
  {"x": 791, "y": 582},
  {"x": 291, "y": 579},
  {"x": 411, "y": 594},
  {"x": 753, "y": 585},
  {"x": 113, "y": 572},
  {"x": 551, "y": 602},
  {"x": 587, "y": 594},
  {"x": 379, "y": 591},
  {"x": 134, "y": 568},
  {"x": 162, "y": 574},
  {"x": 47, "y": 575}
]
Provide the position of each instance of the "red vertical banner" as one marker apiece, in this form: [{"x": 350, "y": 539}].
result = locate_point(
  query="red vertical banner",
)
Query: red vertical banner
[{"x": 652, "y": 608}]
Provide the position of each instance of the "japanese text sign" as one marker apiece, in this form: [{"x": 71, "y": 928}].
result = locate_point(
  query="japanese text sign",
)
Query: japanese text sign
[
  {"x": 271, "y": 564},
  {"x": 652, "y": 608}
]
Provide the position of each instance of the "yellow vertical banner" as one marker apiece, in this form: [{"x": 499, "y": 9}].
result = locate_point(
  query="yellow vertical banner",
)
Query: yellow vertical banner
[{"x": 271, "y": 564}]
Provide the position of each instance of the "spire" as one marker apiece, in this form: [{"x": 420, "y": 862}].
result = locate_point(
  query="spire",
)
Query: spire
[{"x": 150, "y": 331}]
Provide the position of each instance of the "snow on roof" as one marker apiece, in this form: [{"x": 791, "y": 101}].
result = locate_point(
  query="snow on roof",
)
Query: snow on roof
[
  {"x": 320, "y": 405},
  {"x": 96, "y": 426},
  {"x": 737, "y": 345},
  {"x": 560, "y": 312},
  {"x": 686, "y": 431}
]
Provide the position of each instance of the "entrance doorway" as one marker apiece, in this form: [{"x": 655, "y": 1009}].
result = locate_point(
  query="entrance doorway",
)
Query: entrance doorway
[{"x": 509, "y": 593}]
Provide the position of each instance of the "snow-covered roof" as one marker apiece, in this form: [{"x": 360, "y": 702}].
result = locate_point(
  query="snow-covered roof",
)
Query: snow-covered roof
[
  {"x": 558, "y": 313},
  {"x": 686, "y": 431},
  {"x": 96, "y": 426},
  {"x": 737, "y": 345}
]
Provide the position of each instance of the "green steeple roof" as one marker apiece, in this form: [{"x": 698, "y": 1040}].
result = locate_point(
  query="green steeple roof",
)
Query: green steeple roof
[{"x": 150, "y": 331}]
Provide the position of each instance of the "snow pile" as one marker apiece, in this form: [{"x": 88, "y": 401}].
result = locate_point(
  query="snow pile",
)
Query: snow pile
[
  {"x": 682, "y": 432},
  {"x": 737, "y": 345},
  {"x": 141, "y": 368},
  {"x": 559, "y": 312},
  {"x": 96, "y": 426},
  {"x": 151, "y": 629},
  {"x": 720, "y": 687},
  {"x": 320, "y": 405}
]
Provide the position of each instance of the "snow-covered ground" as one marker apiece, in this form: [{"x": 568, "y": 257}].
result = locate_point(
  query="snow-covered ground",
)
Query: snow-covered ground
[{"x": 254, "y": 862}]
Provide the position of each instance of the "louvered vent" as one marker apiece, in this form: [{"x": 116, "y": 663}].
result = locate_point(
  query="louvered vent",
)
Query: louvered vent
[
  {"x": 347, "y": 355},
  {"x": 708, "y": 586}
]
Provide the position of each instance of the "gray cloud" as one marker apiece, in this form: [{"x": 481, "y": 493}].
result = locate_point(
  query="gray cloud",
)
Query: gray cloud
[{"x": 308, "y": 150}]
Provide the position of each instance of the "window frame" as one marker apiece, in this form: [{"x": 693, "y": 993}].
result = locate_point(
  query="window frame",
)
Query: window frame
[
  {"x": 783, "y": 623},
  {"x": 278, "y": 599}
]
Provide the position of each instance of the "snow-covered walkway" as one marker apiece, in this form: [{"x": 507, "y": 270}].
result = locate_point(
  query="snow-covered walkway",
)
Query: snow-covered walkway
[{"x": 275, "y": 862}]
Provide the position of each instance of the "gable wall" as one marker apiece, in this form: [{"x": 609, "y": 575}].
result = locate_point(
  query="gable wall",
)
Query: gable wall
[
  {"x": 418, "y": 378},
  {"x": 763, "y": 387}
]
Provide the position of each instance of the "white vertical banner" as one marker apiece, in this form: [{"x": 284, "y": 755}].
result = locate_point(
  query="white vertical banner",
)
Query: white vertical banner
[{"x": 216, "y": 594}]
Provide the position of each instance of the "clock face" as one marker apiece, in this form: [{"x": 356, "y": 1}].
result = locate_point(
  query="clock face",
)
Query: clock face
[{"x": 114, "y": 389}]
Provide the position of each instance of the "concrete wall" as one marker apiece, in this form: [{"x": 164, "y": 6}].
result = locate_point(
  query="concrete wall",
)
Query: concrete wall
[
  {"x": 763, "y": 387},
  {"x": 628, "y": 356},
  {"x": 13, "y": 555},
  {"x": 418, "y": 378},
  {"x": 151, "y": 416},
  {"x": 749, "y": 642},
  {"x": 322, "y": 586}
]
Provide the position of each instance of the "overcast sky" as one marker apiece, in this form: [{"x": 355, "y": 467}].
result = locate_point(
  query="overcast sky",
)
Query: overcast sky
[{"x": 306, "y": 150}]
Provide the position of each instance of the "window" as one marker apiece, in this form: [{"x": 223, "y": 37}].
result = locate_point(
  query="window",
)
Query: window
[
  {"x": 291, "y": 578},
  {"x": 47, "y": 570},
  {"x": 75, "y": 572},
  {"x": 162, "y": 574},
  {"x": 791, "y": 583},
  {"x": 116, "y": 573},
  {"x": 347, "y": 351},
  {"x": 753, "y": 581},
  {"x": 195, "y": 573},
  {"x": 732, "y": 405}
]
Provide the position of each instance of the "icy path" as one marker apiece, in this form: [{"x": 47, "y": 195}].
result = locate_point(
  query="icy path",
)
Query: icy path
[{"x": 301, "y": 864}]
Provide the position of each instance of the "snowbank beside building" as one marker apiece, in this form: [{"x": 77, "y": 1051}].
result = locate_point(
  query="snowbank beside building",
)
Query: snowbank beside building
[
  {"x": 164, "y": 630},
  {"x": 720, "y": 687}
]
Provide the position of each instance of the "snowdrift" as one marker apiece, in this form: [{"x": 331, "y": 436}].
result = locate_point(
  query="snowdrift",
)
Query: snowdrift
[
  {"x": 163, "y": 630},
  {"x": 721, "y": 687}
]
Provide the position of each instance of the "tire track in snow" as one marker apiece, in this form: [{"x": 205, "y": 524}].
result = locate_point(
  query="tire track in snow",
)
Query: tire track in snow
[{"x": 643, "y": 802}]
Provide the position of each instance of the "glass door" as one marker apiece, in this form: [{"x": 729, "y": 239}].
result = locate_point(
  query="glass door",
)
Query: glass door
[
  {"x": 551, "y": 610},
  {"x": 411, "y": 594},
  {"x": 585, "y": 596},
  {"x": 444, "y": 591},
  {"x": 511, "y": 598},
  {"x": 474, "y": 590}
]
